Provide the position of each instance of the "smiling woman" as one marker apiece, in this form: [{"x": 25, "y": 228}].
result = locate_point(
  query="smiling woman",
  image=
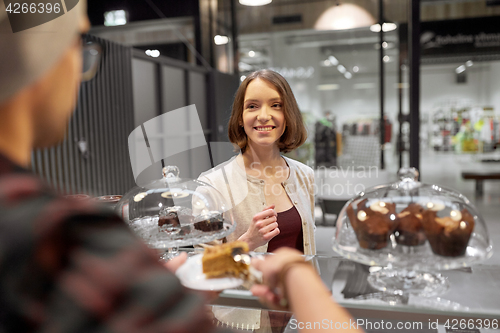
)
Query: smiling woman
[
  {"x": 272, "y": 196},
  {"x": 276, "y": 208}
]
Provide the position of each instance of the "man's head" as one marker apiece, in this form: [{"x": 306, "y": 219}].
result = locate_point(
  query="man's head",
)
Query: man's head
[{"x": 40, "y": 72}]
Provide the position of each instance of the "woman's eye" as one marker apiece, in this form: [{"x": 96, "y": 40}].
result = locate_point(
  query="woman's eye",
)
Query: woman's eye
[
  {"x": 277, "y": 105},
  {"x": 252, "y": 106}
]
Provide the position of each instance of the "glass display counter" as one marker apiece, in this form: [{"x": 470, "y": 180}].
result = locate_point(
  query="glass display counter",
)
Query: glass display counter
[{"x": 473, "y": 293}]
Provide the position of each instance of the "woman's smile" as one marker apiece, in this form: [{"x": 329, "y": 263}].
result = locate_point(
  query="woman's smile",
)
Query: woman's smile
[
  {"x": 264, "y": 128},
  {"x": 263, "y": 114}
]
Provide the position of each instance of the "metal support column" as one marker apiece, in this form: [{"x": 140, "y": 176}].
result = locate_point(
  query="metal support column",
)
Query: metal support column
[
  {"x": 382, "y": 81},
  {"x": 400, "y": 143},
  {"x": 234, "y": 35},
  {"x": 414, "y": 66}
]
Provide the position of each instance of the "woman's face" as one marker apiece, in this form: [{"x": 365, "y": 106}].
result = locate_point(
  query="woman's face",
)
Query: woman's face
[{"x": 263, "y": 113}]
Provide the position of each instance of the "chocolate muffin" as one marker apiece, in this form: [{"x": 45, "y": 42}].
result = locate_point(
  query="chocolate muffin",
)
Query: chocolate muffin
[
  {"x": 449, "y": 235},
  {"x": 410, "y": 231},
  {"x": 374, "y": 224}
]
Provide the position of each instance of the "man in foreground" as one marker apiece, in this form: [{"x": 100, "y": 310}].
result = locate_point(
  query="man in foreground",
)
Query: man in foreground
[{"x": 69, "y": 266}]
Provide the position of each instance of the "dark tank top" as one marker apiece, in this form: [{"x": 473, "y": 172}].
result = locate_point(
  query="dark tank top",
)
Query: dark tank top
[{"x": 291, "y": 234}]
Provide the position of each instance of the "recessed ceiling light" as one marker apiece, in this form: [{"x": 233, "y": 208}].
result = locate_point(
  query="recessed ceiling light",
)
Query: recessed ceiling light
[
  {"x": 115, "y": 17},
  {"x": 326, "y": 63},
  {"x": 363, "y": 86},
  {"x": 333, "y": 60},
  {"x": 221, "y": 40},
  {"x": 469, "y": 63},
  {"x": 251, "y": 54},
  {"x": 153, "y": 53},
  {"x": 355, "y": 69},
  {"x": 255, "y": 2},
  {"x": 460, "y": 69},
  {"x": 386, "y": 27},
  {"x": 386, "y": 58},
  {"x": 332, "y": 86},
  {"x": 341, "y": 69},
  {"x": 348, "y": 75}
]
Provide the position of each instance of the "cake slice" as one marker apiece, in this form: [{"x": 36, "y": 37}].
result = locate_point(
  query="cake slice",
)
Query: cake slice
[{"x": 219, "y": 261}]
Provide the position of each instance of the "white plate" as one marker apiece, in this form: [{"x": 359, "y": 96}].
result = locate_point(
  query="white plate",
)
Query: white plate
[{"x": 191, "y": 276}]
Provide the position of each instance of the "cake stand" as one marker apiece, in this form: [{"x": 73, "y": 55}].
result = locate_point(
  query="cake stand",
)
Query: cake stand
[
  {"x": 411, "y": 269},
  {"x": 201, "y": 213}
]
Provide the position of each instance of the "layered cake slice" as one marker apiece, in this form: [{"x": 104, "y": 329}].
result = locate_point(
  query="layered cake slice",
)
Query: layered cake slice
[{"x": 219, "y": 261}]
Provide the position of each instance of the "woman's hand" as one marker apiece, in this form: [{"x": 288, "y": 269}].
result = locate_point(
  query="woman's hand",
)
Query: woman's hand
[{"x": 263, "y": 228}]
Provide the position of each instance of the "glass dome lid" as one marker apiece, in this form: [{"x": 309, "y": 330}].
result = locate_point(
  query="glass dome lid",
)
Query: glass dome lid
[
  {"x": 172, "y": 211},
  {"x": 413, "y": 226}
]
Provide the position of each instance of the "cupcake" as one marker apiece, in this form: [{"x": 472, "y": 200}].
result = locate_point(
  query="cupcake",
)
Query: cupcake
[
  {"x": 410, "y": 231},
  {"x": 448, "y": 235},
  {"x": 373, "y": 224}
]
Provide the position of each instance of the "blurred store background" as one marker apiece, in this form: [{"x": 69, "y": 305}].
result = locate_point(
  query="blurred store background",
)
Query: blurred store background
[{"x": 352, "y": 82}]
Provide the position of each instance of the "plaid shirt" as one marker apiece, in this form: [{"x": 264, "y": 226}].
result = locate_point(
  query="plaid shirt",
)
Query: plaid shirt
[{"x": 70, "y": 266}]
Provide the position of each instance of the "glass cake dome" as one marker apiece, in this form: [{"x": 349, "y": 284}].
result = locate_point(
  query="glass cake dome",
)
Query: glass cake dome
[
  {"x": 409, "y": 228},
  {"x": 171, "y": 212}
]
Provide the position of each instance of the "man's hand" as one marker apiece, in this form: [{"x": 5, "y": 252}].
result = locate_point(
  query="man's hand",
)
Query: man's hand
[
  {"x": 271, "y": 267},
  {"x": 176, "y": 262}
]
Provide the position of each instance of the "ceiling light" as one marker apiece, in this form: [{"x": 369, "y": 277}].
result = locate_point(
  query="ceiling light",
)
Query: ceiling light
[
  {"x": 384, "y": 45},
  {"x": 348, "y": 75},
  {"x": 332, "y": 86},
  {"x": 115, "y": 17},
  {"x": 333, "y": 60},
  {"x": 386, "y": 58},
  {"x": 355, "y": 69},
  {"x": 363, "y": 86},
  {"x": 386, "y": 27},
  {"x": 326, "y": 63},
  {"x": 341, "y": 69},
  {"x": 221, "y": 40},
  {"x": 460, "y": 69},
  {"x": 251, "y": 54},
  {"x": 344, "y": 16},
  {"x": 153, "y": 53},
  {"x": 469, "y": 63},
  {"x": 255, "y": 2}
]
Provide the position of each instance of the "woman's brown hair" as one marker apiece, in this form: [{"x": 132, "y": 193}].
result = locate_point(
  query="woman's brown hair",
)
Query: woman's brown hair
[{"x": 295, "y": 132}]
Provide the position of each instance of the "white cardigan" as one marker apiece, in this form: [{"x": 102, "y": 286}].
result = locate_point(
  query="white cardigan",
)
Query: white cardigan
[{"x": 246, "y": 196}]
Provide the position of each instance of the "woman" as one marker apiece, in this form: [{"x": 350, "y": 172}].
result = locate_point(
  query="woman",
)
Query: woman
[{"x": 272, "y": 196}]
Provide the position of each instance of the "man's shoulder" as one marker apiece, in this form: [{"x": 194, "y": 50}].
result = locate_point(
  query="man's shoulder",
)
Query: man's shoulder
[
  {"x": 24, "y": 196},
  {"x": 18, "y": 186}
]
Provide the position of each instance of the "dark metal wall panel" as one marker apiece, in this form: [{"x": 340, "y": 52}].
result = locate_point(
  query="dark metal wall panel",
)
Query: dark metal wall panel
[{"x": 103, "y": 119}]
